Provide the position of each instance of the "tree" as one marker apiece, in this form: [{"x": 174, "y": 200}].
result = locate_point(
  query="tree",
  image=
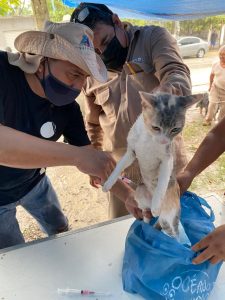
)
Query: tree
[
  {"x": 57, "y": 10},
  {"x": 40, "y": 10},
  {"x": 9, "y": 7}
]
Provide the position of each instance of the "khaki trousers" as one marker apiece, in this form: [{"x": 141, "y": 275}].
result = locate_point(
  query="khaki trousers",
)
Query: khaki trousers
[
  {"x": 116, "y": 207},
  {"x": 216, "y": 98}
]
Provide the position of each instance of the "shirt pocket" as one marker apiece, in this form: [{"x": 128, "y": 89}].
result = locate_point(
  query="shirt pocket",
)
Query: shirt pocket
[
  {"x": 102, "y": 96},
  {"x": 140, "y": 77},
  {"x": 147, "y": 68},
  {"x": 108, "y": 103}
]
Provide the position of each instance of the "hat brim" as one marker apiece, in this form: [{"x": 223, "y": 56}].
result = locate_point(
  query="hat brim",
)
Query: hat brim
[{"x": 54, "y": 46}]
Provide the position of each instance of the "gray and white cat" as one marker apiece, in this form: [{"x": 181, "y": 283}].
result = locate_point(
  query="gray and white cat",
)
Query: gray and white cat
[{"x": 150, "y": 140}]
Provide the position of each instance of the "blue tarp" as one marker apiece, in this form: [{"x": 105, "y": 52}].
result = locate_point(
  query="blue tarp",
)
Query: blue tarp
[{"x": 161, "y": 9}]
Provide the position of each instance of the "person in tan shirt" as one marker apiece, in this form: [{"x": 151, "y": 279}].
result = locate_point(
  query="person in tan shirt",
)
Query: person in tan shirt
[
  {"x": 137, "y": 59},
  {"x": 217, "y": 89}
]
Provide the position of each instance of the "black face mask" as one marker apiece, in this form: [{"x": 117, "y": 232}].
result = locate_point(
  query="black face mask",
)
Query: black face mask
[
  {"x": 57, "y": 91},
  {"x": 114, "y": 55}
]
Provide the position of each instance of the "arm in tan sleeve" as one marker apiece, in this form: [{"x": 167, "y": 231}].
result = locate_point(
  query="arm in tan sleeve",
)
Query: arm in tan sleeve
[
  {"x": 92, "y": 112},
  {"x": 172, "y": 73}
]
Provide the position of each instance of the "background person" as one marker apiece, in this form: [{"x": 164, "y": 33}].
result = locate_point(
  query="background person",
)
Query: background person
[
  {"x": 213, "y": 39},
  {"x": 217, "y": 89}
]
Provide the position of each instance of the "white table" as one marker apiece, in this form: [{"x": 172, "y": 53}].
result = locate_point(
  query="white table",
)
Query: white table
[{"x": 82, "y": 259}]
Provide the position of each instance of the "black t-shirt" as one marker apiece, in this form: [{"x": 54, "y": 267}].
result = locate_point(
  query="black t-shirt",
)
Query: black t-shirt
[{"x": 22, "y": 109}]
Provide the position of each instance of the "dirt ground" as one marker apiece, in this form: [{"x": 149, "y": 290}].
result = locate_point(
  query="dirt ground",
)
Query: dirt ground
[{"x": 81, "y": 203}]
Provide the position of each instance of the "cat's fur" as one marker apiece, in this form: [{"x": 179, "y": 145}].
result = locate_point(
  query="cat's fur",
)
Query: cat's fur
[
  {"x": 203, "y": 104},
  {"x": 150, "y": 140}
]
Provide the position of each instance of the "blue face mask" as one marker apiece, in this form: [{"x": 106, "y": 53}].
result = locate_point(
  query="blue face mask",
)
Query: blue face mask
[{"x": 56, "y": 91}]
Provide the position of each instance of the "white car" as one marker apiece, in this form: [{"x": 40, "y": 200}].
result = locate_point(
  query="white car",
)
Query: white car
[{"x": 192, "y": 46}]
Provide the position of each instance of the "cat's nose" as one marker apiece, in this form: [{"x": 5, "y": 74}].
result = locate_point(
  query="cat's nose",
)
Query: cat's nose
[{"x": 164, "y": 141}]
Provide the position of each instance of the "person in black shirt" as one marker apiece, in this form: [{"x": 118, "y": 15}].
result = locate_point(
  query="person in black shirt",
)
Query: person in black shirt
[{"x": 38, "y": 87}]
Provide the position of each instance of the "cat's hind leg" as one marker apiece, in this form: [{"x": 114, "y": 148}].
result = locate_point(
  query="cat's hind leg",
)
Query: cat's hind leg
[
  {"x": 170, "y": 211},
  {"x": 125, "y": 162},
  {"x": 143, "y": 198}
]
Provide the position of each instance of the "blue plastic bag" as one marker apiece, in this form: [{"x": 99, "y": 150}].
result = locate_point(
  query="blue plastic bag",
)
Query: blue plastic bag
[{"x": 158, "y": 267}]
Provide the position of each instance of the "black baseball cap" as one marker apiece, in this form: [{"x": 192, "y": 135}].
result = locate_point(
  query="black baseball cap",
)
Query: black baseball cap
[{"x": 88, "y": 13}]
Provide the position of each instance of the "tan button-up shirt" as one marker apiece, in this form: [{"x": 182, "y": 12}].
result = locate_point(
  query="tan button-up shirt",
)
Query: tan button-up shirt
[{"x": 111, "y": 108}]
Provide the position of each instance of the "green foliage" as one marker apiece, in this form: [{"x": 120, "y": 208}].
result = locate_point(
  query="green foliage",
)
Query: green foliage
[
  {"x": 9, "y": 7},
  {"x": 199, "y": 27},
  {"x": 169, "y": 25},
  {"x": 57, "y": 10},
  {"x": 17, "y": 7}
]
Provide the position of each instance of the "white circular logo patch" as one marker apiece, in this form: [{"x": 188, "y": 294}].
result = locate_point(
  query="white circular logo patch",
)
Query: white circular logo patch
[{"x": 48, "y": 130}]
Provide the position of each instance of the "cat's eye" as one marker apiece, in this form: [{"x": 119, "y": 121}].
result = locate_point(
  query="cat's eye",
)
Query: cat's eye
[
  {"x": 155, "y": 128},
  {"x": 174, "y": 130}
]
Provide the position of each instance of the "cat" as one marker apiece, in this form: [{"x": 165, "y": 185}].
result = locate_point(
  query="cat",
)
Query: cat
[
  {"x": 203, "y": 104},
  {"x": 150, "y": 140}
]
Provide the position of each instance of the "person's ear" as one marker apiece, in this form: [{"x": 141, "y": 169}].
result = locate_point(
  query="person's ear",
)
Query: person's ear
[
  {"x": 41, "y": 67},
  {"x": 116, "y": 21}
]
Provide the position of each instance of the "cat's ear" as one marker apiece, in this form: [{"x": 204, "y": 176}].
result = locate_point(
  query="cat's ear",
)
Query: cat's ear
[
  {"x": 188, "y": 101},
  {"x": 147, "y": 100}
]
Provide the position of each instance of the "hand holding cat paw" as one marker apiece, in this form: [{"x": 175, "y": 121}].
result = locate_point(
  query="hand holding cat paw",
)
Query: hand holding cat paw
[
  {"x": 132, "y": 207},
  {"x": 95, "y": 181},
  {"x": 147, "y": 215}
]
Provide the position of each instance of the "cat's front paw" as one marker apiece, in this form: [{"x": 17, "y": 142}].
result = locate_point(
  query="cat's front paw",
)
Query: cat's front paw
[
  {"x": 107, "y": 186},
  {"x": 155, "y": 212}
]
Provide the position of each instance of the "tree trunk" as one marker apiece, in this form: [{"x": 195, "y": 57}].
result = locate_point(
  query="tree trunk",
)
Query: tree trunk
[
  {"x": 40, "y": 10},
  {"x": 222, "y": 34},
  {"x": 176, "y": 29}
]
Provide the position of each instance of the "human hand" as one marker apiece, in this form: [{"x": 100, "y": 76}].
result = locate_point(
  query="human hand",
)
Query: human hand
[
  {"x": 95, "y": 181},
  {"x": 132, "y": 207},
  {"x": 213, "y": 246},
  {"x": 96, "y": 163},
  {"x": 184, "y": 180},
  {"x": 167, "y": 88}
]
